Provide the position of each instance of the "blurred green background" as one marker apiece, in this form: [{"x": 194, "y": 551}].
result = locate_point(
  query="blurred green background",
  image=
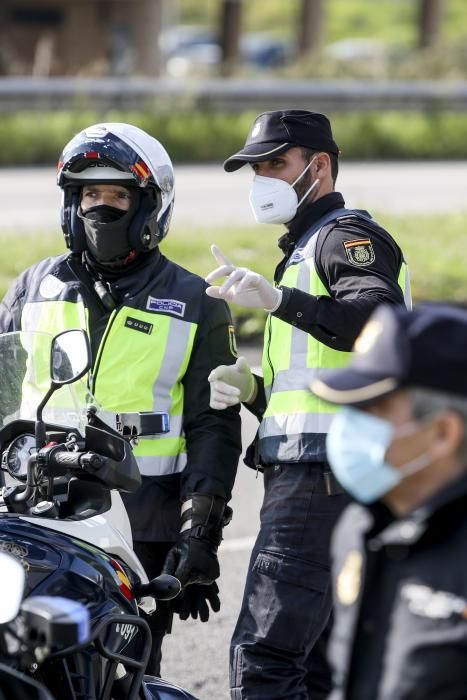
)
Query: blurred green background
[
  {"x": 391, "y": 20},
  {"x": 369, "y": 40},
  {"x": 30, "y": 138}
]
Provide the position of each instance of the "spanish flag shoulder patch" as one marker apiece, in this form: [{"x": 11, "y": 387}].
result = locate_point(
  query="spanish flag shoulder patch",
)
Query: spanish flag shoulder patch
[{"x": 360, "y": 252}]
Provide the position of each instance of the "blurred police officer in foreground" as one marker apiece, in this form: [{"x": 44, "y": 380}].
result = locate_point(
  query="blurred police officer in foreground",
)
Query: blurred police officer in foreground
[
  {"x": 155, "y": 337},
  {"x": 338, "y": 265},
  {"x": 399, "y": 559}
]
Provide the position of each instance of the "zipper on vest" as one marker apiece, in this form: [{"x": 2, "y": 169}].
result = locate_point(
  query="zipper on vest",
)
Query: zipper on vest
[{"x": 100, "y": 351}]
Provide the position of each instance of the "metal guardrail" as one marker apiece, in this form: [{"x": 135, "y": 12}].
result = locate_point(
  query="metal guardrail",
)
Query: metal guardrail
[{"x": 229, "y": 95}]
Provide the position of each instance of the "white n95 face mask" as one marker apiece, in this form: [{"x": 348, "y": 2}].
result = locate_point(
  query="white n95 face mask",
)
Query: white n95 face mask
[{"x": 274, "y": 201}]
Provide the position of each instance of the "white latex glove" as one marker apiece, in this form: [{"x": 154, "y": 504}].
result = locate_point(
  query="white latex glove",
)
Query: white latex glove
[
  {"x": 242, "y": 286},
  {"x": 232, "y": 384}
]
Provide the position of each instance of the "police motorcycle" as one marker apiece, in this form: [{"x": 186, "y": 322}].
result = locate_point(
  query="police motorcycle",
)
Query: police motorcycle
[
  {"x": 64, "y": 462},
  {"x": 30, "y": 630}
]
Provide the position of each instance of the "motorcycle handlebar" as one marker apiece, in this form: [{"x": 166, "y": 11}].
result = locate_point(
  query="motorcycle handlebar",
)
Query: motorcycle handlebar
[{"x": 88, "y": 461}]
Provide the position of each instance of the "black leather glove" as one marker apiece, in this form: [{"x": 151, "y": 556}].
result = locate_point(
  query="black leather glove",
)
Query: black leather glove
[
  {"x": 193, "y": 602},
  {"x": 193, "y": 558}
]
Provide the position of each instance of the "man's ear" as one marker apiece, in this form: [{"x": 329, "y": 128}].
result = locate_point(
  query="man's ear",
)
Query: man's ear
[
  {"x": 322, "y": 164},
  {"x": 449, "y": 435}
]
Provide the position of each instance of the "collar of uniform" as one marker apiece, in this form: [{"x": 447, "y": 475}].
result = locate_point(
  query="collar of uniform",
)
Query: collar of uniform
[
  {"x": 408, "y": 530},
  {"x": 455, "y": 492},
  {"x": 134, "y": 279},
  {"x": 312, "y": 212},
  {"x": 111, "y": 274}
]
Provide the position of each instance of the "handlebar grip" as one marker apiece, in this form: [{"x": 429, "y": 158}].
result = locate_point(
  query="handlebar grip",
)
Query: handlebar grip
[
  {"x": 63, "y": 458},
  {"x": 88, "y": 461}
]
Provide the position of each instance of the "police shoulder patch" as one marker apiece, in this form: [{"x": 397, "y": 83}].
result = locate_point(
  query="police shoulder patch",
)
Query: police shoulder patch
[{"x": 359, "y": 253}]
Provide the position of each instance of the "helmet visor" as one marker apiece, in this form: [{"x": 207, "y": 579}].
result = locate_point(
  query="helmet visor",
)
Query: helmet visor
[{"x": 105, "y": 150}]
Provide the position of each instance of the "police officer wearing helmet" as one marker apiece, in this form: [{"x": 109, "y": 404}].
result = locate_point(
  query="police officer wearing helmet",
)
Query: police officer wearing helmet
[
  {"x": 338, "y": 265},
  {"x": 399, "y": 447},
  {"x": 155, "y": 337}
]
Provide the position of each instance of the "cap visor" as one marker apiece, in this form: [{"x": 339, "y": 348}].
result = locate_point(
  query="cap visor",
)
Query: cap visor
[
  {"x": 347, "y": 386},
  {"x": 254, "y": 153}
]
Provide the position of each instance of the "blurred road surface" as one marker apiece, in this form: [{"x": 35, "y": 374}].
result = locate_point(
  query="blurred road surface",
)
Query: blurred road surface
[
  {"x": 196, "y": 654},
  {"x": 206, "y": 196}
]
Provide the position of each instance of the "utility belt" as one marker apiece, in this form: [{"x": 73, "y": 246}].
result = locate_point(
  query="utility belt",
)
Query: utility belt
[{"x": 328, "y": 485}]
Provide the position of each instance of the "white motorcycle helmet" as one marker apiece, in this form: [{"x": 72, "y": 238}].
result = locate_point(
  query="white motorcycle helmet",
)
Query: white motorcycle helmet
[{"x": 115, "y": 151}]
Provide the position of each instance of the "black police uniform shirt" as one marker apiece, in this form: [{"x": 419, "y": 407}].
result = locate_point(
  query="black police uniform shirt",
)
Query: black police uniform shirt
[
  {"x": 213, "y": 437},
  {"x": 355, "y": 290},
  {"x": 400, "y": 601}
]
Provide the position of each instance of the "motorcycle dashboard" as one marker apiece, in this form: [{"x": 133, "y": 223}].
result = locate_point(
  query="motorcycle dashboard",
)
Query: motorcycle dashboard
[
  {"x": 16, "y": 455},
  {"x": 18, "y": 443}
]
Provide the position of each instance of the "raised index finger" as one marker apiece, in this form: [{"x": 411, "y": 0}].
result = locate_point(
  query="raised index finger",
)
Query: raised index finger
[
  {"x": 219, "y": 255},
  {"x": 222, "y": 271}
]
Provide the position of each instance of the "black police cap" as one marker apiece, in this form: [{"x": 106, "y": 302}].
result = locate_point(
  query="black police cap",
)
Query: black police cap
[
  {"x": 273, "y": 133},
  {"x": 425, "y": 348}
]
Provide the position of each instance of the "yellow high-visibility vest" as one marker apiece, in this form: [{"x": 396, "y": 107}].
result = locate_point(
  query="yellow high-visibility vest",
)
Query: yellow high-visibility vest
[
  {"x": 295, "y": 423},
  {"x": 148, "y": 379}
]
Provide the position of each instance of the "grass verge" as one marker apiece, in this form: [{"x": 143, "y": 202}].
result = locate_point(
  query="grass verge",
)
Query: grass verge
[
  {"x": 433, "y": 247},
  {"x": 189, "y": 135}
]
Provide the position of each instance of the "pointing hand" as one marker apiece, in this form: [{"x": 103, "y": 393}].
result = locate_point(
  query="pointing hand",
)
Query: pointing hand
[{"x": 242, "y": 286}]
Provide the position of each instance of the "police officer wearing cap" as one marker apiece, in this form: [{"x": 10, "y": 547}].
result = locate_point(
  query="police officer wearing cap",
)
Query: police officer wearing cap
[
  {"x": 155, "y": 337},
  {"x": 399, "y": 446},
  {"x": 338, "y": 265}
]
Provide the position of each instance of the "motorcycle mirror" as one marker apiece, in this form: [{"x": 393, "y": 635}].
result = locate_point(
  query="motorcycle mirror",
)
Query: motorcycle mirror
[
  {"x": 70, "y": 359},
  {"x": 11, "y": 587},
  {"x": 70, "y": 356}
]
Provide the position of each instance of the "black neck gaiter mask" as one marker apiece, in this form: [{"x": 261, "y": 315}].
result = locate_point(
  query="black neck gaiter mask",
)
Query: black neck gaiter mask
[{"x": 106, "y": 230}]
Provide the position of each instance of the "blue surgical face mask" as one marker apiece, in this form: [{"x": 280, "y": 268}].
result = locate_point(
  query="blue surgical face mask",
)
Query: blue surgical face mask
[{"x": 356, "y": 446}]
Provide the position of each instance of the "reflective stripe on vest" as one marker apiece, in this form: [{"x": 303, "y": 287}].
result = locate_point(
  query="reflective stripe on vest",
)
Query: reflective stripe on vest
[
  {"x": 41, "y": 322},
  {"x": 147, "y": 379},
  {"x": 295, "y": 423},
  {"x": 404, "y": 283}
]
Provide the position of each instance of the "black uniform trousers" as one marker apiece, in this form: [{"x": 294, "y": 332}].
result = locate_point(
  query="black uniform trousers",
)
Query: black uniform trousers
[{"x": 278, "y": 648}]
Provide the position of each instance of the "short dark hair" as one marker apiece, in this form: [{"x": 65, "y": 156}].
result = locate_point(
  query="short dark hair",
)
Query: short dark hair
[
  {"x": 308, "y": 153},
  {"x": 426, "y": 402}
]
